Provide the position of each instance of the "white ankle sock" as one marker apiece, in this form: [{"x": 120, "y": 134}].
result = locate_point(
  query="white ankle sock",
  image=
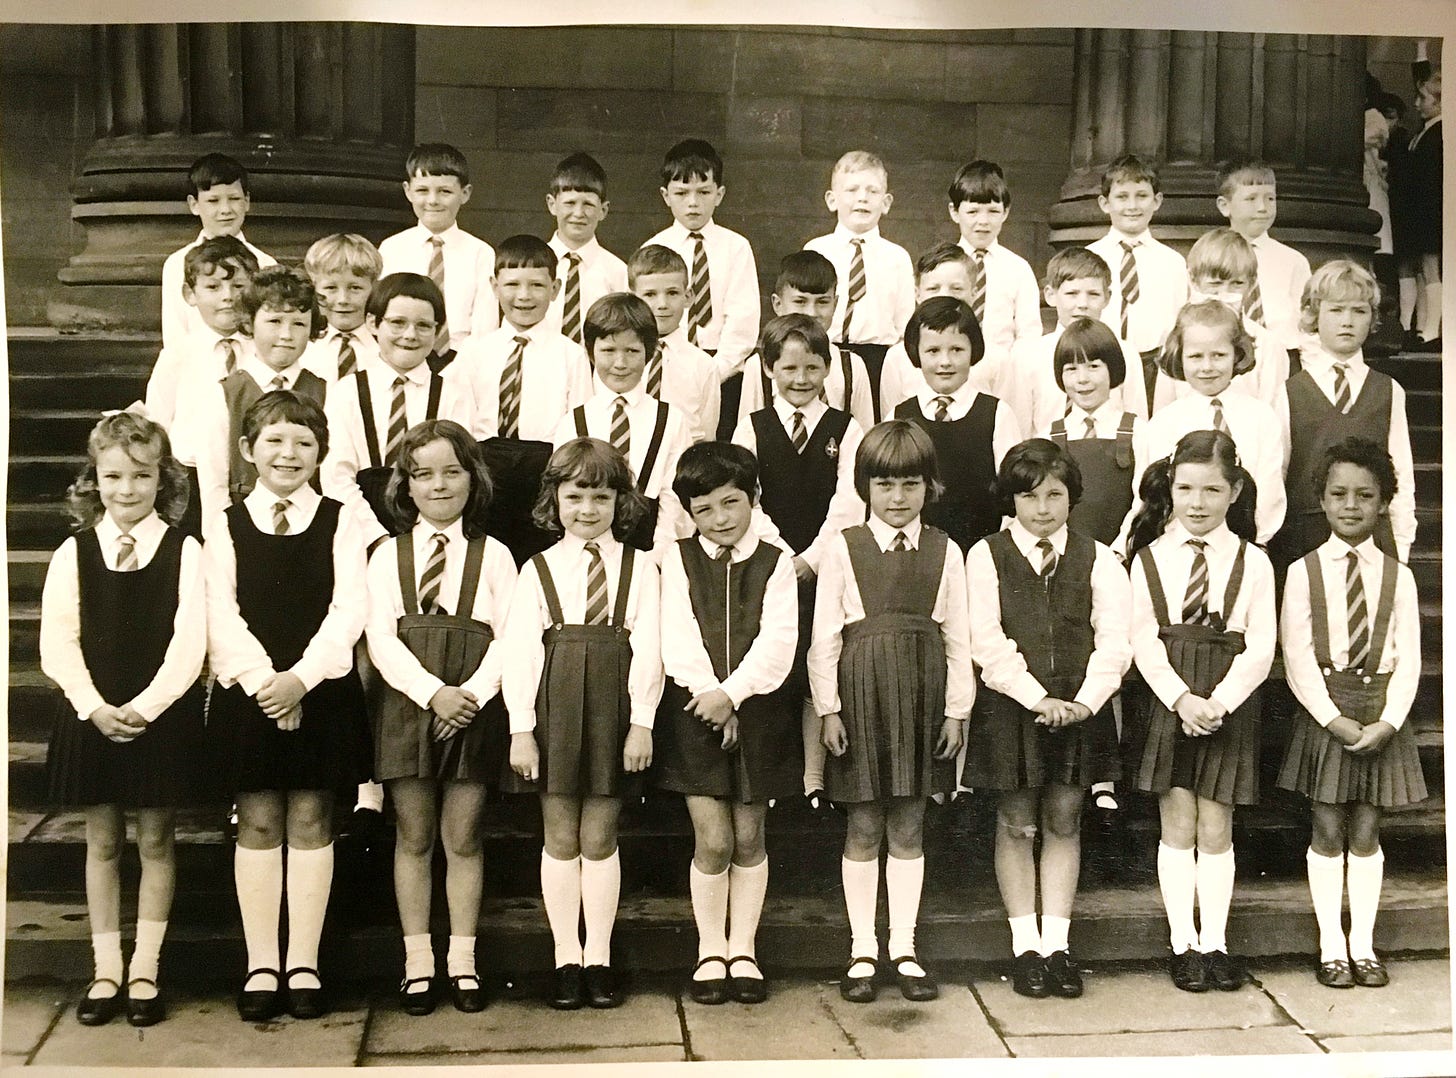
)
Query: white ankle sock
[
  {"x": 370, "y": 796},
  {"x": 106, "y": 953},
  {"x": 861, "y": 894},
  {"x": 146, "y": 958},
  {"x": 1365, "y": 877},
  {"x": 1054, "y": 934},
  {"x": 1024, "y": 934},
  {"x": 460, "y": 958},
  {"x": 419, "y": 959},
  {"x": 747, "y": 886},
  {"x": 310, "y": 878},
  {"x": 904, "y": 879},
  {"x": 1326, "y": 891},
  {"x": 1175, "y": 881},
  {"x": 601, "y": 886},
  {"x": 258, "y": 875},
  {"x": 710, "y": 911},
  {"x": 1215, "y": 885},
  {"x": 561, "y": 895}
]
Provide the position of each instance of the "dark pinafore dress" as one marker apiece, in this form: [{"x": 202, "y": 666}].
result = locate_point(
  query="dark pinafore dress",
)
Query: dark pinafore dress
[
  {"x": 968, "y": 510},
  {"x": 516, "y": 466},
  {"x": 583, "y": 710},
  {"x": 688, "y": 754},
  {"x": 1316, "y": 763},
  {"x": 241, "y": 392},
  {"x": 892, "y": 675},
  {"x": 1107, "y": 479},
  {"x": 1222, "y": 766},
  {"x": 1050, "y": 621},
  {"x": 451, "y": 647},
  {"x": 126, "y": 625},
  {"x": 642, "y": 535},
  {"x": 375, "y": 478},
  {"x": 285, "y": 584}
]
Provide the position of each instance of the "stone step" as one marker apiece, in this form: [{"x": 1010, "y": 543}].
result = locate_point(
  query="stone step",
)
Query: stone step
[
  {"x": 49, "y": 430},
  {"x": 26, "y": 571},
  {"x": 39, "y": 524},
  {"x": 1423, "y": 406},
  {"x": 1428, "y": 483},
  {"x": 1413, "y": 370},
  {"x": 44, "y": 475},
  {"x": 89, "y": 386},
  {"x": 1426, "y": 442}
]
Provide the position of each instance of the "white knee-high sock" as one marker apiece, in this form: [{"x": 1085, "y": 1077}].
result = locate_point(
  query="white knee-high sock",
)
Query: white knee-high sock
[
  {"x": 710, "y": 911},
  {"x": 601, "y": 885},
  {"x": 1215, "y": 882},
  {"x": 747, "y": 887},
  {"x": 1366, "y": 876},
  {"x": 310, "y": 878},
  {"x": 904, "y": 879},
  {"x": 258, "y": 875},
  {"x": 561, "y": 895},
  {"x": 1408, "y": 292},
  {"x": 812, "y": 730},
  {"x": 1431, "y": 311},
  {"x": 1326, "y": 892},
  {"x": 1175, "y": 881},
  {"x": 861, "y": 894}
]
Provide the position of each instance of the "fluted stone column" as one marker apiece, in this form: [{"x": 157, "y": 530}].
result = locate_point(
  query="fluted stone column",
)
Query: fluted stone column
[
  {"x": 1186, "y": 100},
  {"x": 321, "y": 115}
]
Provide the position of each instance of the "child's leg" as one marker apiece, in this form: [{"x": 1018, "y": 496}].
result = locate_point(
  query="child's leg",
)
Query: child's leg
[
  {"x": 905, "y": 876},
  {"x": 258, "y": 871},
  {"x": 1178, "y": 825},
  {"x": 460, "y": 831},
  {"x": 561, "y": 875},
  {"x": 708, "y": 881},
  {"x": 601, "y": 877},
  {"x": 1214, "y": 873},
  {"x": 812, "y": 729},
  {"x": 1016, "y": 866},
  {"x": 156, "y": 834},
  {"x": 747, "y": 885},
  {"x": 1060, "y": 863},
  {"x": 105, "y": 837},
  {"x": 310, "y": 878},
  {"x": 1325, "y": 863},
  {"x": 1367, "y": 870},
  {"x": 414, "y": 847},
  {"x": 860, "y": 870},
  {"x": 1409, "y": 292},
  {"x": 1429, "y": 276},
  {"x": 1104, "y": 794}
]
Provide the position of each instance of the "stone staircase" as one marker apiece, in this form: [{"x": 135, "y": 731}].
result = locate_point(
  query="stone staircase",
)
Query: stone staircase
[{"x": 58, "y": 385}]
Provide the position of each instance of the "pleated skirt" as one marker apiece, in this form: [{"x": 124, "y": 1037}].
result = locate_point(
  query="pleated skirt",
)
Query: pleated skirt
[
  {"x": 1007, "y": 749},
  {"x": 768, "y": 761}
]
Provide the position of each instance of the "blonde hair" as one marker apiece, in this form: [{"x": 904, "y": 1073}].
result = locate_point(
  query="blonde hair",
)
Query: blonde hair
[
  {"x": 1224, "y": 254},
  {"x": 860, "y": 161},
  {"x": 1338, "y": 279}
]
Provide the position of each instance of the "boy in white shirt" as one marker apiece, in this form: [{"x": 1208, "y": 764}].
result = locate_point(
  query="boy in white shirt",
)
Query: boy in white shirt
[
  {"x": 1248, "y": 197},
  {"x": 680, "y": 372},
  {"x": 586, "y": 269},
  {"x": 1003, "y": 294},
  {"x": 344, "y": 269}
]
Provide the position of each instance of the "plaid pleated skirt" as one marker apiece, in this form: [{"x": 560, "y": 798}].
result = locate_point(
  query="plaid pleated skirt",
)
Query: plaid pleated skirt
[{"x": 1007, "y": 749}]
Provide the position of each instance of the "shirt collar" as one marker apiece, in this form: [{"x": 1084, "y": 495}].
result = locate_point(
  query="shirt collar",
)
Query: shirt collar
[
  {"x": 1026, "y": 542},
  {"x": 359, "y": 335},
  {"x": 681, "y": 233},
  {"x": 970, "y": 249},
  {"x": 448, "y": 235},
  {"x": 812, "y": 411},
  {"x": 1142, "y": 239},
  {"x": 576, "y": 546},
  {"x": 742, "y": 549},
  {"x": 966, "y": 394},
  {"x": 1219, "y": 539},
  {"x": 264, "y": 374},
  {"x": 1336, "y": 550},
  {"x": 419, "y": 375},
  {"x": 107, "y": 531},
  {"x": 633, "y": 396},
  {"x": 1313, "y": 351},
  {"x": 846, "y": 234},
  {"x": 587, "y": 250},
  {"x": 513, "y": 332},
  {"x": 677, "y": 338},
  {"x": 424, "y": 532},
  {"x": 885, "y": 535},
  {"x": 1078, "y": 415},
  {"x": 303, "y": 500}
]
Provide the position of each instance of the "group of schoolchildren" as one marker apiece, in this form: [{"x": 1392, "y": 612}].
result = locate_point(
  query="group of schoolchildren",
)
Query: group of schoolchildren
[{"x": 470, "y": 527}]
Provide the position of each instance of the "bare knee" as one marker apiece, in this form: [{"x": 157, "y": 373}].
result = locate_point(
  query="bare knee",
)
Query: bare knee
[
  {"x": 864, "y": 832},
  {"x": 310, "y": 820},
  {"x": 905, "y": 828},
  {"x": 748, "y": 842},
  {"x": 1327, "y": 830},
  {"x": 156, "y": 843},
  {"x": 462, "y": 842},
  {"x": 1364, "y": 830},
  {"x": 1016, "y": 817},
  {"x": 414, "y": 834},
  {"x": 1061, "y": 813}
]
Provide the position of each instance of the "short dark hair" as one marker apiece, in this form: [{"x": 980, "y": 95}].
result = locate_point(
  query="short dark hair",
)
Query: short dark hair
[
  {"x": 895, "y": 449},
  {"x": 280, "y": 288},
  {"x": 1363, "y": 453},
  {"x": 214, "y": 170},
  {"x": 1129, "y": 168},
  {"x": 979, "y": 181},
  {"x": 652, "y": 258},
  {"x": 286, "y": 406},
  {"x": 589, "y": 462},
  {"x": 131, "y": 432},
  {"x": 935, "y": 257},
  {"x": 579, "y": 172},
  {"x": 1075, "y": 264},
  {"x": 808, "y": 272},
  {"x": 397, "y": 494},
  {"x": 940, "y": 313},
  {"x": 792, "y": 327},
  {"x": 618, "y": 312},
  {"x": 525, "y": 252},
  {"x": 437, "y": 159},
  {"x": 1028, "y": 464},
  {"x": 410, "y": 286},
  {"x": 1085, "y": 340},
  {"x": 706, "y": 466},
  {"x": 227, "y": 253},
  {"x": 692, "y": 159},
  {"x": 1213, "y": 314}
]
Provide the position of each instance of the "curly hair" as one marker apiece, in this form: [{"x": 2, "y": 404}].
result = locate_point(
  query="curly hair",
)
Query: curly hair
[
  {"x": 589, "y": 462},
  {"x": 279, "y": 288},
  {"x": 397, "y": 499},
  {"x": 142, "y": 439}
]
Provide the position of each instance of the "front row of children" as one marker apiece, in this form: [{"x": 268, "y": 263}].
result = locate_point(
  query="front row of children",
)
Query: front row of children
[{"x": 590, "y": 632}]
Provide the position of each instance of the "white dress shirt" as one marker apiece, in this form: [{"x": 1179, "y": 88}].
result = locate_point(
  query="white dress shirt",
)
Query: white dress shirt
[
  {"x": 61, "y": 658},
  {"x": 1005, "y": 432},
  {"x": 1013, "y": 301},
  {"x": 470, "y": 305},
  {"x": 524, "y": 650},
  {"x": 900, "y": 379},
  {"x": 690, "y": 383},
  {"x": 1321, "y": 367},
  {"x": 861, "y": 395},
  {"x": 396, "y": 663},
  {"x": 555, "y": 378},
  {"x": 1283, "y": 273},
  {"x": 889, "y": 299},
  {"x": 1003, "y": 667},
  {"x": 1252, "y": 613},
  {"x": 732, "y": 330},
  {"x": 236, "y": 655},
  {"x": 186, "y": 372},
  {"x": 845, "y": 507},
  {"x": 1106, "y": 420},
  {"x": 179, "y": 318},
  {"x": 1162, "y": 287},
  {"x": 1036, "y": 399},
  {"x": 322, "y": 355},
  {"x": 769, "y": 658},
  {"x": 600, "y": 272},
  {"x": 838, "y": 603}
]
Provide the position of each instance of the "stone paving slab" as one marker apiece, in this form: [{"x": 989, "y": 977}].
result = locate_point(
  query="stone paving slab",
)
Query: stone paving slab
[
  {"x": 795, "y": 1023},
  {"x": 1417, "y": 1000},
  {"x": 645, "y": 1053},
  {"x": 1390, "y": 1042},
  {"x": 951, "y": 1027},
  {"x": 30, "y": 1011},
  {"x": 1200, "y": 1042}
]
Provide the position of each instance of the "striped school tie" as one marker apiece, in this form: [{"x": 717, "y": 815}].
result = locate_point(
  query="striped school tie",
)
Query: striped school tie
[
  {"x": 978, "y": 287},
  {"x": 1127, "y": 283},
  {"x": 126, "y": 555},
  {"x": 700, "y": 308},
  {"x": 1359, "y": 614},
  {"x": 1342, "y": 388},
  {"x": 280, "y": 517},
  {"x": 900, "y": 542},
  {"x": 621, "y": 429},
  {"x": 1195, "y": 599},
  {"x": 942, "y": 409},
  {"x": 278, "y": 382},
  {"x": 724, "y": 555},
  {"x": 230, "y": 354},
  {"x": 654, "y": 373},
  {"x": 398, "y": 424},
  {"x": 798, "y": 433},
  {"x": 346, "y": 355},
  {"x": 1048, "y": 560},
  {"x": 510, "y": 391},
  {"x": 433, "y": 576},
  {"x": 596, "y": 586},
  {"x": 437, "y": 274},
  {"x": 856, "y": 286},
  {"x": 571, "y": 305},
  {"x": 1091, "y": 428},
  {"x": 1219, "y": 423},
  {"x": 1255, "y": 303}
]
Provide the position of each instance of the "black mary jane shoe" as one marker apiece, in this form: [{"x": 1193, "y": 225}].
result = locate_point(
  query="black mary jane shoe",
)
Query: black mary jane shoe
[
  {"x": 709, "y": 991},
  {"x": 1370, "y": 973},
  {"x": 858, "y": 989},
  {"x": 1223, "y": 973},
  {"x": 566, "y": 988},
  {"x": 916, "y": 987},
  {"x": 599, "y": 984},
  {"x": 417, "y": 1004},
  {"x": 1187, "y": 971},
  {"x": 304, "y": 1002},
  {"x": 144, "y": 1012},
  {"x": 1335, "y": 973},
  {"x": 1062, "y": 975},
  {"x": 747, "y": 989},
  {"x": 99, "y": 1010},
  {"x": 260, "y": 1005},
  {"x": 467, "y": 1000},
  {"x": 1029, "y": 976}
]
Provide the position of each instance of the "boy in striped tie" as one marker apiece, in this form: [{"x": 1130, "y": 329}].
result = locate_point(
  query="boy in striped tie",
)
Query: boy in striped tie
[
  {"x": 586, "y": 269},
  {"x": 1247, "y": 196},
  {"x": 344, "y": 269},
  {"x": 1003, "y": 293}
]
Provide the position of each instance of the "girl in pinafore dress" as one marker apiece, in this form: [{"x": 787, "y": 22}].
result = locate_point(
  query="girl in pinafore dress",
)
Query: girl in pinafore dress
[
  {"x": 890, "y": 672},
  {"x": 123, "y": 633},
  {"x": 1352, "y": 752},
  {"x": 1050, "y": 634},
  {"x": 286, "y": 723},
  {"x": 1203, "y": 639},
  {"x": 582, "y": 679},
  {"x": 436, "y": 594}
]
